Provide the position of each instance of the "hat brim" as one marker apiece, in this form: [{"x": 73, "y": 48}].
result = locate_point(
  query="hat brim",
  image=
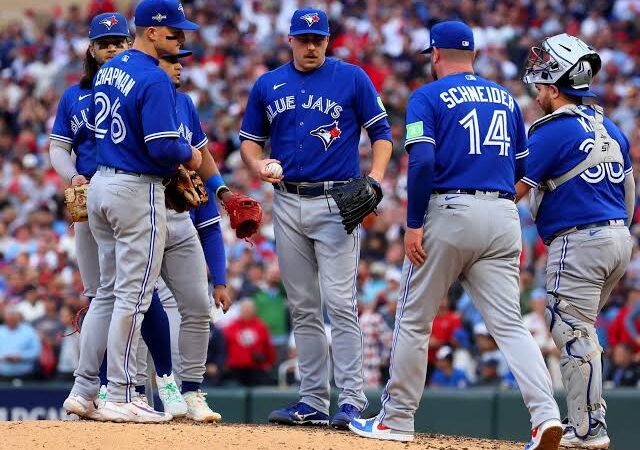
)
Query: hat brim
[
  {"x": 186, "y": 25},
  {"x": 180, "y": 54},
  {"x": 299, "y": 32},
  {"x": 93, "y": 38},
  {"x": 577, "y": 92},
  {"x": 426, "y": 51}
]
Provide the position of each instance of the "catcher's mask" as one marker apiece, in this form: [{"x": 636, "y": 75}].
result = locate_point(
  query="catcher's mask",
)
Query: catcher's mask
[{"x": 565, "y": 61}]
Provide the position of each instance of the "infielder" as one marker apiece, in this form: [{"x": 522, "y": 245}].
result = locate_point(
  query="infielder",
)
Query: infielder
[
  {"x": 467, "y": 145},
  {"x": 109, "y": 36},
  {"x": 136, "y": 150},
  {"x": 313, "y": 109},
  {"x": 583, "y": 198}
]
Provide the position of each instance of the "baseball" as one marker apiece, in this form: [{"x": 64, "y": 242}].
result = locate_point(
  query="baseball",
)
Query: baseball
[{"x": 274, "y": 169}]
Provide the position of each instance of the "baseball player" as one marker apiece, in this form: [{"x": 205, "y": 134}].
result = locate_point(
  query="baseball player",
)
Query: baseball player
[
  {"x": 184, "y": 268},
  {"x": 467, "y": 145},
  {"x": 109, "y": 36},
  {"x": 313, "y": 109},
  {"x": 583, "y": 198},
  {"x": 136, "y": 150}
]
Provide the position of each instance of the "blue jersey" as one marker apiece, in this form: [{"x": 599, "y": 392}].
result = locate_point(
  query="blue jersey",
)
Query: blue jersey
[
  {"x": 595, "y": 195},
  {"x": 314, "y": 119},
  {"x": 133, "y": 104},
  {"x": 477, "y": 131},
  {"x": 70, "y": 127}
]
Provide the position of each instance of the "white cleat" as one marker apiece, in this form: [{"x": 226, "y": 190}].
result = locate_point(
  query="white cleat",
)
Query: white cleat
[
  {"x": 374, "y": 429},
  {"x": 170, "y": 395},
  {"x": 198, "y": 409},
  {"x": 596, "y": 439},
  {"x": 136, "y": 411},
  {"x": 546, "y": 436},
  {"x": 80, "y": 406}
]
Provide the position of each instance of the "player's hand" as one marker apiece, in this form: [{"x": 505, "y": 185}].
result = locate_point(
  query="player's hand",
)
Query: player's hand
[
  {"x": 376, "y": 176},
  {"x": 78, "y": 180},
  {"x": 261, "y": 170},
  {"x": 413, "y": 246},
  {"x": 195, "y": 161},
  {"x": 221, "y": 297}
]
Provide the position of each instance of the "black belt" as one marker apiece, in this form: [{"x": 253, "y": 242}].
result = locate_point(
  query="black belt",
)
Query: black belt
[
  {"x": 498, "y": 194},
  {"x": 306, "y": 189},
  {"x": 126, "y": 172},
  {"x": 600, "y": 224}
]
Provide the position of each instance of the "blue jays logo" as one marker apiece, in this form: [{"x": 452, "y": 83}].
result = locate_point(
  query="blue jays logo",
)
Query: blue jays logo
[
  {"x": 109, "y": 22},
  {"x": 180, "y": 8},
  {"x": 327, "y": 134},
  {"x": 311, "y": 18}
]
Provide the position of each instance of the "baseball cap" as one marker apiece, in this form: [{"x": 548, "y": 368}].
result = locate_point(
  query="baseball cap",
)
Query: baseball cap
[
  {"x": 451, "y": 34},
  {"x": 181, "y": 54},
  {"x": 309, "y": 21},
  {"x": 163, "y": 13},
  {"x": 108, "y": 24}
]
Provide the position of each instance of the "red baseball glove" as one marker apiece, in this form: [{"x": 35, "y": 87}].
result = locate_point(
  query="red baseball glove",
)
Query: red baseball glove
[{"x": 245, "y": 214}]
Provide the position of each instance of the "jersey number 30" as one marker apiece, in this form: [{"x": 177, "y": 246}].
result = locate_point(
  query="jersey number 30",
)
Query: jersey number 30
[
  {"x": 496, "y": 135},
  {"x": 106, "y": 109}
]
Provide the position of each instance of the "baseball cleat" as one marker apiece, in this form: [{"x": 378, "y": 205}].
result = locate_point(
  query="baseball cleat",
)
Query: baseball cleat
[
  {"x": 80, "y": 406},
  {"x": 546, "y": 436},
  {"x": 170, "y": 396},
  {"x": 596, "y": 439},
  {"x": 197, "y": 408},
  {"x": 298, "y": 414},
  {"x": 374, "y": 429},
  {"x": 344, "y": 416},
  {"x": 136, "y": 411}
]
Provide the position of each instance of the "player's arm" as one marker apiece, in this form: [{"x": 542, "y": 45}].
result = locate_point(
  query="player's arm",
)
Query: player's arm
[
  {"x": 629, "y": 183},
  {"x": 522, "y": 189},
  {"x": 537, "y": 166},
  {"x": 373, "y": 117},
  {"x": 61, "y": 140}
]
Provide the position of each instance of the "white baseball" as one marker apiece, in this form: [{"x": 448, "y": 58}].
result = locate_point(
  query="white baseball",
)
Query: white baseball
[{"x": 274, "y": 169}]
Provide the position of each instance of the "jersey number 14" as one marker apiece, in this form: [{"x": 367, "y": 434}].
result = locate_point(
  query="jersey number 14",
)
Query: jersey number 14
[
  {"x": 496, "y": 135},
  {"x": 105, "y": 108}
]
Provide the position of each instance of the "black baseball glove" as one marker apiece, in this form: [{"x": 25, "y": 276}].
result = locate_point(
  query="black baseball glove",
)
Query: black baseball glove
[{"x": 356, "y": 200}]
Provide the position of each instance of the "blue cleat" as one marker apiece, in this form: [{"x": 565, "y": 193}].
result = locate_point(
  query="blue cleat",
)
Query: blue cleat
[
  {"x": 373, "y": 429},
  {"x": 298, "y": 414},
  {"x": 344, "y": 416}
]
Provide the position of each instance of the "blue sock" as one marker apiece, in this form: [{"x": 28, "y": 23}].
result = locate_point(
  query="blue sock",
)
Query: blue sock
[
  {"x": 190, "y": 386},
  {"x": 141, "y": 389},
  {"x": 155, "y": 332},
  {"x": 103, "y": 371}
]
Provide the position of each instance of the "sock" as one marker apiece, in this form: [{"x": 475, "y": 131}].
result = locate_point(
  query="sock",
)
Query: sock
[
  {"x": 155, "y": 332},
  {"x": 141, "y": 389},
  {"x": 190, "y": 386}
]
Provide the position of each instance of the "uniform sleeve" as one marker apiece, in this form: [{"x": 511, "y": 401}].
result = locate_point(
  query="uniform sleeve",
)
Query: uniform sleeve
[
  {"x": 198, "y": 139},
  {"x": 521, "y": 147},
  {"x": 158, "y": 111},
  {"x": 420, "y": 120},
  {"x": 61, "y": 130},
  {"x": 628, "y": 168},
  {"x": 369, "y": 105},
  {"x": 255, "y": 126},
  {"x": 539, "y": 160}
]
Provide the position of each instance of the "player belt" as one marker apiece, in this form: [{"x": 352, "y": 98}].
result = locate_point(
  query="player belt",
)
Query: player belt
[
  {"x": 498, "y": 194},
  {"x": 600, "y": 224},
  {"x": 152, "y": 178},
  {"x": 307, "y": 189}
]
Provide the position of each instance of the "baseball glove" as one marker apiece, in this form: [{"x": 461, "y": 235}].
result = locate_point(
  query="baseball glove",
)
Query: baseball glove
[
  {"x": 75, "y": 199},
  {"x": 185, "y": 191},
  {"x": 356, "y": 200},
  {"x": 245, "y": 214}
]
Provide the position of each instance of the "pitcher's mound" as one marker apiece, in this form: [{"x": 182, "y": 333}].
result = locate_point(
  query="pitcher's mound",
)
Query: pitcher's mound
[{"x": 85, "y": 435}]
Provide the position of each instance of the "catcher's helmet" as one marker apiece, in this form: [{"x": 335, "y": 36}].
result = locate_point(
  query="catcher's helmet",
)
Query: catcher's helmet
[{"x": 565, "y": 61}]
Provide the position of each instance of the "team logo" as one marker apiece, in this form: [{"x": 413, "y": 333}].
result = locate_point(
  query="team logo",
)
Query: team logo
[
  {"x": 311, "y": 18},
  {"x": 180, "y": 8},
  {"x": 327, "y": 134},
  {"x": 159, "y": 17},
  {"x": 109, "y": 22}
]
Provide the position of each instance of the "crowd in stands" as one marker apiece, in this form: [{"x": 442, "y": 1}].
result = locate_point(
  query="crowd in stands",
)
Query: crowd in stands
[{"x": 40, "y": 287}]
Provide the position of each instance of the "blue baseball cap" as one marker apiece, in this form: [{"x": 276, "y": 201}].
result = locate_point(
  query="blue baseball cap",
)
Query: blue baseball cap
[
  {"x": 451, "y": 34},
  {"x": 163, "y": 13},
  {"x": 108, "y": 24},
  {"x": 181, "y": 54},
  {"x": 309, "y": 21}
]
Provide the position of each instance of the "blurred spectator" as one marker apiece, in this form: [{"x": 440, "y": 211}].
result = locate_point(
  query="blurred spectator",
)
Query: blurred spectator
[
  {"x": 376, "y": 336},
  {"x": 444, "y": 326},
  {"x": 271, "y": 306},
  {"x": 624, "y": 371},
  {"x": 19, "y": 346},
  {"x": 216, "y": 357},
  {"x": 69, "y": 345},
  {"x": 445, "y": 375},
  {"x": 32, "y": 307},
  {"x": 250, "y": 352},
  {"x": 620, "y": 329}
]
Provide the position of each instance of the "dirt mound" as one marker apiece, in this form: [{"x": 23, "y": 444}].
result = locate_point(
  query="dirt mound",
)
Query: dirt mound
[{"x": 76, "y": 435}]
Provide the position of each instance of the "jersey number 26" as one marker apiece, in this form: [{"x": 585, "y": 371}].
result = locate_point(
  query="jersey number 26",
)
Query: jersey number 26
[
  {"x": 496, "y": 135},
  {"x": 104, "y": 110}
]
